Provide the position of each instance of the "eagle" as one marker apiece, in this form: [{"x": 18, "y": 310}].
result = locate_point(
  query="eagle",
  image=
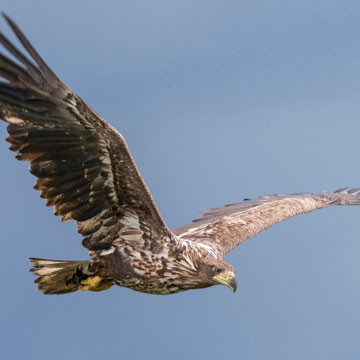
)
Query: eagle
[{"x": 85, "y": 171}]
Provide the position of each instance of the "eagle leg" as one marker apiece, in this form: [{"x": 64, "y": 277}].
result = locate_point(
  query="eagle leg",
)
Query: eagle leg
[{"x": 95, "y": 283}]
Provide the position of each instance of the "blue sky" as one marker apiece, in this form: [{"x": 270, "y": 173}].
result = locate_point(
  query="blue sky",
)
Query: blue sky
[{"x": 218, "y": 101}]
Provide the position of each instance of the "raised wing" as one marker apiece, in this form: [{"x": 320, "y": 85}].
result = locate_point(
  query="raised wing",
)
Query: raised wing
[
  {"x": 83, "y": 165},
  {"x": 224, "y": 228}
]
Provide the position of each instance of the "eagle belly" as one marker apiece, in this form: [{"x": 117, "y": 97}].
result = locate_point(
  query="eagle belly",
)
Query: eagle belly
[{"x": 144, "y": 271}]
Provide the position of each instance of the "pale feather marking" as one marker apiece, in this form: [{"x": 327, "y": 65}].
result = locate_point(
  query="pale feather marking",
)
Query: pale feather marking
[
  {"x": 108, "y": 251},
  {"x": 15, "y": 120}
]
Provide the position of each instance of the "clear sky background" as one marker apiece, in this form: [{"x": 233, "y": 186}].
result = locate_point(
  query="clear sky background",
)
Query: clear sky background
[{"x": 218, "y": 100}]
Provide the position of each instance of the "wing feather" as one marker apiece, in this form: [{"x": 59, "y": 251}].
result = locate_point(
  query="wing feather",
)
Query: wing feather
[
  {"x": 226, "y": 227},
  {"x": 82, "y": 164}
]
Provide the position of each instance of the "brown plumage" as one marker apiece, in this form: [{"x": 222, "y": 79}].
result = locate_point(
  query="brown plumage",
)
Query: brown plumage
[{"x": 85, "y": 171}]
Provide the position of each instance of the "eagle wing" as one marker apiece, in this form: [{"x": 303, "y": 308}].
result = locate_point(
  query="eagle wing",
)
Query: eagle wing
[
  {"x": 224, "y": 228},
  {"x": 82, "y": 164}
]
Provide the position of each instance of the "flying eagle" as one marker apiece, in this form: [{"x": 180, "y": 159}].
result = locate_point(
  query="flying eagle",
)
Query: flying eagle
[{"x": 85, "y": 171}]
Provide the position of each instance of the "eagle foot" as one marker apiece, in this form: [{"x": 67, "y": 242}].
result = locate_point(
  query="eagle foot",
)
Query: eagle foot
[{"x": 95, "y": 283}]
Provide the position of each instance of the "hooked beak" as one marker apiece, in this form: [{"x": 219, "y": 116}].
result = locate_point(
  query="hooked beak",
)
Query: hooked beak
[{"x": 228, "y": 280}]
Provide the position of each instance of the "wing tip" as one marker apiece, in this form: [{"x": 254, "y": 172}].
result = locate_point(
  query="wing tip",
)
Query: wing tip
[
  {"x": 3, "y": 14},
  {"x": 8, "y": 19}
]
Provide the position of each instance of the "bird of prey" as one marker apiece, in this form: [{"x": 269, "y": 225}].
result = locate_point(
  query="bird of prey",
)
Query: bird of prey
[{"x": 85, "y": 171}]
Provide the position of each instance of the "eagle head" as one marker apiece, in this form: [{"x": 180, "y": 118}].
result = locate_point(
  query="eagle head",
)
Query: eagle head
[{"x": 219, "y": 272}]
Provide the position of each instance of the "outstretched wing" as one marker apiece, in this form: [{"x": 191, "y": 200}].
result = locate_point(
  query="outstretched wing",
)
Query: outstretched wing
[
  {"x": 83, "y": 165},
  {"x": 224, "y": 228}
]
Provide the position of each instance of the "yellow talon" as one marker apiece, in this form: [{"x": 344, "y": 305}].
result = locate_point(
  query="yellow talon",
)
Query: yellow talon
[{"x": 95, "y": 283}]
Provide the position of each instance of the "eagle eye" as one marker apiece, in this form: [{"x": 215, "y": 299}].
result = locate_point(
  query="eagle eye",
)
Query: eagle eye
[{"x": 217, "y": 270}]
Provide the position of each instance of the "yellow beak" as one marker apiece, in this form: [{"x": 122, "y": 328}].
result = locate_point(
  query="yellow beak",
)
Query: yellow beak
[{"x": 228, "y": 280}]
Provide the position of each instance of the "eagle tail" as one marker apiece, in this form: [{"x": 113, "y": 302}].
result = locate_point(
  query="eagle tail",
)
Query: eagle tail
[{"x": 62, "y": 277}]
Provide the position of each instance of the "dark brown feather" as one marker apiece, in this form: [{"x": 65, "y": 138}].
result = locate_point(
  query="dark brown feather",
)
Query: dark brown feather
[{"x": 83, "y": 165}]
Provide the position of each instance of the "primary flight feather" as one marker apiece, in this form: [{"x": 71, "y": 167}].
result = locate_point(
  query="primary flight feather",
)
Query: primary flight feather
[{"x": 85, "y": 171}]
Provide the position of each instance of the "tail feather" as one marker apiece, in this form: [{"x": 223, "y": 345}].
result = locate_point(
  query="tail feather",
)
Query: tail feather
[{"x": 60, "y": 277}]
